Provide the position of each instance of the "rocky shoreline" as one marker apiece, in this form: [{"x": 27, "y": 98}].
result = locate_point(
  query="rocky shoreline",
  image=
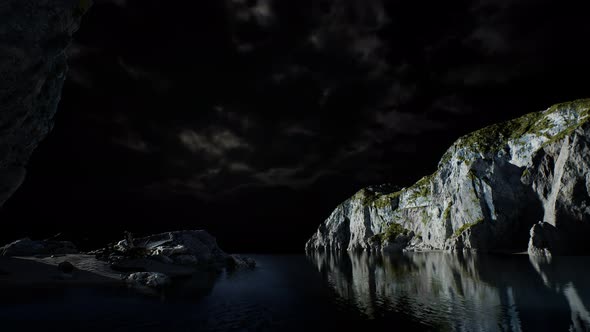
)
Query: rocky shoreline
[
  {"x": 522, "y": 185},
  {"x": 151, "y": 262}
]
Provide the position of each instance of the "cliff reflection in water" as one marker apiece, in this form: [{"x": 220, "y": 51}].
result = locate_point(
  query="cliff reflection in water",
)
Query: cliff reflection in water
[{"x": 465, "y": 292}]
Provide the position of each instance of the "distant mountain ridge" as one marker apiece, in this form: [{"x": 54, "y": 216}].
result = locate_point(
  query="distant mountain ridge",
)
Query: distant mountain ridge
[{"x": 519, "y": 185}]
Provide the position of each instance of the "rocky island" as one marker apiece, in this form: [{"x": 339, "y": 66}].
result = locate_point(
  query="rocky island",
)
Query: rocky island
[
  {"x": 521, "y": 185},
  {"x": 151, "y": 262}
]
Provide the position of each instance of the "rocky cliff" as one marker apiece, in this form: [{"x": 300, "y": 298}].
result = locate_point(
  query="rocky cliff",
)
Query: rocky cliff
[
  {"x": 34, "y": 36},
  {"x": 523, "y": 184}
]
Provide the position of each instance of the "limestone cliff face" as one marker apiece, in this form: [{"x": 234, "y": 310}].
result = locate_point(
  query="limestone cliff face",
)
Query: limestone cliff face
[
  {"x": 34, "y": 35},
  {"x": 525, "y": 182}
]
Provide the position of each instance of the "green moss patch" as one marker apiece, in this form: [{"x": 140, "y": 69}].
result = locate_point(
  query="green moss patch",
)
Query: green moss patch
[
  {"x": 422, "y": 188},
  {"x": 382, "y": 202},
  {"x": 495, "y": 137},
  {"x": 447, "y": 212},
  {"x": 377, "y": 200},
  {"x": 392, "y": 231},
  {"x": 366, "y": 197},
  {"x": 425, "y": 217},
  {"x": 467, "y": 226}
]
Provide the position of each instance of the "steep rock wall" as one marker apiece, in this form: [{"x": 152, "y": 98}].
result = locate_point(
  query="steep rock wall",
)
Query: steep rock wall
[
  {"x": 34, "y": 36},
  {"x": 520, "y": 183}
]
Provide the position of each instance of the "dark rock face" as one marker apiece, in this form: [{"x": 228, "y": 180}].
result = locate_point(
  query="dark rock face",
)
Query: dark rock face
[
  {"x": 236, "y": 262},
  {"x": 545, "y": 240},
  {"x": 34, "y": 35},
  {"x": 28, "y": 247},
  {"x": 181, "y": 247},
  {"x": 173, "y": 253},
  {"x": 66, "y": 267}
]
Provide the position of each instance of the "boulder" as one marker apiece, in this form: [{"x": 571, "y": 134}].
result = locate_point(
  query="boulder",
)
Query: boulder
[
  {"x": 182, "y": 247},
  {"x": 545, "y": 240},
  {"x": 148, "y": 279},
  {"x": 238, "y": 262},
  {"x": 186, "y": 249},
  {"x": 66, "y": 267}
]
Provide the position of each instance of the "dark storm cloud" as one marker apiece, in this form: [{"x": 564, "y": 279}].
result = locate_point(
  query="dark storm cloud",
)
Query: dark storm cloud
[
  {"x": 216, "y": 145},
  {"x": 242, "y": 94},
  {"x": 238, "y": 115}
]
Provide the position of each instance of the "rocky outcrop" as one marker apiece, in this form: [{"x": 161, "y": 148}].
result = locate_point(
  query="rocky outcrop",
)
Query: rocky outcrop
[
  {"x": 491, "y": 190},
  {"x": 148, "y": 279},
  {"x": 237, "y": 262},
  {"x": 28, "y": 247},
  {"x": 189, "y": 259},
  {"x": 34, "y": 36},
  {"x": 180, "y": 247},
  {"x": 173, "y": 253}
]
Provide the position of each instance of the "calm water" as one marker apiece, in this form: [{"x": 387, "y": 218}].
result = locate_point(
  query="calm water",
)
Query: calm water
[{"x": 428, "y": 291}]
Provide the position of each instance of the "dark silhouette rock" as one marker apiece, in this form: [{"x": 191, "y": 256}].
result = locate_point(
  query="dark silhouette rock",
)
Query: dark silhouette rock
[
  {"x": 148, "y": 279},
  {"x": 66, "y": 267},
  {"x": 34, "y": 36}
]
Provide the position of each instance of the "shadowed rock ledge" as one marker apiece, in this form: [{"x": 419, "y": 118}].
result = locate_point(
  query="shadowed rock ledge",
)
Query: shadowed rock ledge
[
  {"x": 34, "y": 36},
  {"x": 514, "y": 186}
]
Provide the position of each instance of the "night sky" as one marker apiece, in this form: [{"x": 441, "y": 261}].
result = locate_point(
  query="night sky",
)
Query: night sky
[{"x": 253, "y": 119}]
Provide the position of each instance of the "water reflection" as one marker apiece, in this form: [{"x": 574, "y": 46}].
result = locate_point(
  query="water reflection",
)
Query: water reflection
[{"x": 466, "y": 292}]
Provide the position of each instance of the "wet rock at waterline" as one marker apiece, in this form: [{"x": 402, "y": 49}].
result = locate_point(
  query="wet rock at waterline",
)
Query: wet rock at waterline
[{"x": 148, "y": 279}]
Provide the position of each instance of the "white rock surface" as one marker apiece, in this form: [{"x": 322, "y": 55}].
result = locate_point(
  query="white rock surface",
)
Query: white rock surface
[{"x": 491, "y": 187}]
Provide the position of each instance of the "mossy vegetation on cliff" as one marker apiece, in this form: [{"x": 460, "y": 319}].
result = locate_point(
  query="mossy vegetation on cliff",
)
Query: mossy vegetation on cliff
[
  {"x": 582, "y": 107},
  {"x": 495, "y": 137},
  {"x": 467, "y": 226},
  {"x": 422, "y": 188},
  {"x": 447, "y": 213},
  {"x": 366, "y": 196},
  {"x": 385, "y": 200},
  {"x": 377, "y": 200},
  {"x": 392, "y": 231}
]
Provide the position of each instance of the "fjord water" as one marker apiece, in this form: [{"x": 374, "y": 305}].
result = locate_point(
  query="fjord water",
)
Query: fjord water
[{"x": 328, "y": 291}]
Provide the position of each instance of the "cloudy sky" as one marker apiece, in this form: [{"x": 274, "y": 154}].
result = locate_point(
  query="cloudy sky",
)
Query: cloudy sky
[{"x": 254, "y": 118}]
